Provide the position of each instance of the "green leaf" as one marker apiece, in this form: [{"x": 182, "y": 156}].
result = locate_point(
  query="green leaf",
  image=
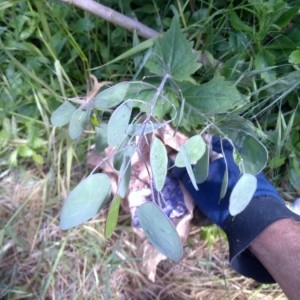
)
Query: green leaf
[
  {"x": 192, "y": 150},
  {"x": 13, "y": 158},
  {"x": 85, "y": 200},
  {"x": 191, "y": 173},
  {"x": 225, "y": 177},
  {"x": 2, "y": 234},
  {"x": 224, "y": 182},
  {"x": 294, "y": 57},
  {"x": 173, "y": 55},
  {"x": 294, "y": 178},
  {"x": 238, "y": 24},
  {"x": 201, "y": 167},
  {"x": 141, "y": 129},
  {"x": 264, "y": 62},
  {"x": 38, "y": 158},
  {"x": 123, "y": 149},
  {"x": 160, "y": 231},
  {"x": 124, "y": 176},
  {"x": 62, "y": 115},
  {"x": 132, "y": 51},
  {"x": 213, "y": 97},
  {"x": 112, "y": 96},
  {"x": 25, "y": 151},
  {"x": 112, "y": 216},
  {"x": 242, "y": 193},
  {"x": 118, "y": 124},
  {"x": 287, "y": 16},
  {"x": 78, "y": 123},
  {"x": 144, "y": 93},
  {"x": 294, "y": 172},
  {"x": 101, "y": 137},
  {"x": 253, "y": 153},
  {"x": 159, "y": 163}
]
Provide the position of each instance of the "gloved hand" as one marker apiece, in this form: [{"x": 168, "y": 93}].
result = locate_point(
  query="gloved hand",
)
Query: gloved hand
[
  {"x": 265, "y": 208},
  {"x": 207, "y": 198}
]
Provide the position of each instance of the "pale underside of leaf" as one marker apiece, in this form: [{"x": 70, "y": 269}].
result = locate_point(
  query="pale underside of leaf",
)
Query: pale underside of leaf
[
  {"x": 201, "y": 167},
  {"x": 192, "y": 150},
  {"x": 158, "y": 162},
  {"x": 62, "y": 115},
  {"x": 77, "y": 123},
  {"x": 242, "y": 193},
  {"x": 118, "y": 124},
  {"x": 85, "y": 200},
  {"x": 124, "y": 176},
  {"x": 112, "y": 96},
  {"x": 160, "y": 231}
]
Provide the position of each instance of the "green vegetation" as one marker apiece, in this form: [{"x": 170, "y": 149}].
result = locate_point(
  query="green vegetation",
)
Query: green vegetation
[{"x": 227, "y": 67}]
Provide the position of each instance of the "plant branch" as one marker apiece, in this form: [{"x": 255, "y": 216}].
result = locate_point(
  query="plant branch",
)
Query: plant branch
[{"x": 114, "y": 17}]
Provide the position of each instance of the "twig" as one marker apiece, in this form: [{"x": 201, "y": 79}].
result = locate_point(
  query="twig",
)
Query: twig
[{"x": 114, "y": 17}]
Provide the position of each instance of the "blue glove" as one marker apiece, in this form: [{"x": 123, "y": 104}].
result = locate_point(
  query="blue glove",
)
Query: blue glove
[
  {"x": 207, "y": 198},
  {"x": 265, "y": 208}
]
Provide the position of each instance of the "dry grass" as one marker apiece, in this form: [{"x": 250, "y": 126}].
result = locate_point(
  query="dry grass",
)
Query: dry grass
[{"x": 38, "y": 261}]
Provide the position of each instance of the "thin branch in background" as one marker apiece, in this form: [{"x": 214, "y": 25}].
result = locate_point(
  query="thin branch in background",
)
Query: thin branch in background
[
  {"x": 123, "y": 21},
  {"x": 114, "y": 17}
]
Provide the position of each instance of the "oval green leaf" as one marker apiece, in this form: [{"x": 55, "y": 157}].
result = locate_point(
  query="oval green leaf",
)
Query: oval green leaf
[
  {"x": 101, "y": 137},
  {"x": 242, "y": 193},
  {"x": 141, "y": 129},
  {"x": 112, "y": 216},
  {"x": 112, "y": 96},
  {"x": 124, "y": 149},
  {"x": 160, "y": 231},
  {"x": 78, "y": 123},
  {"x": 158, "y": 163},
  {"x": 190, "y": 171},
  {"x": 124, "y": 176},
  {"x": 85, "y": 200},
  {"x": 253, "y": 153},
  {"x": 192, "y": 150},
  {"x": 201, "y": 167},
  {"x": 118, "y": 124},
  {"x": 224, "y": 182},
  {"x": 62, "y": 115}
]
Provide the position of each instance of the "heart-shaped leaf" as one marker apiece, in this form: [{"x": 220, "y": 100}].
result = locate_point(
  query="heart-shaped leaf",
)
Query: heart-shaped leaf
[
  {"x": 112, "y": 216},
  {"x": 242, "y": 193},
  {"x": 173, "y": 53},
  {"x": 85, "y": 200},
  {"x": 159, "y": 163},
  {"x": 213, "y": 97},
  {"x": 160, "y": 231},
  {"x": 62, "y": 115}
]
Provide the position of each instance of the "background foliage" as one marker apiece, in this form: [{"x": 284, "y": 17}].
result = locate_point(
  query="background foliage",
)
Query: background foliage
[{"x": 47, "y": 52}]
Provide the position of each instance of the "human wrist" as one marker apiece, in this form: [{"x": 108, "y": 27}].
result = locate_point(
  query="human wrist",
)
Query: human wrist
[
  {"x": 280, "y": 228},
  {"x": 279, "y": 243},
  {"x": 244, "y": 228}
]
